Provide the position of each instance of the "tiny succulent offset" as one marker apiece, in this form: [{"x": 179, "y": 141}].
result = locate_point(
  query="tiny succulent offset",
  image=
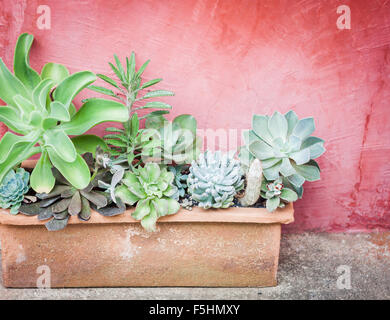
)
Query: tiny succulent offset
[
  {"x": 151, "y": 187},
  {"x": 214, "y": 180},
  {"x": 276, "y": 194},
  {"x": 13, "y": 189}
]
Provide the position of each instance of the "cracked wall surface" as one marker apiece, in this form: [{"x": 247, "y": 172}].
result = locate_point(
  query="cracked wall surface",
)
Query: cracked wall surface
[{"x": 227, "y": 60}]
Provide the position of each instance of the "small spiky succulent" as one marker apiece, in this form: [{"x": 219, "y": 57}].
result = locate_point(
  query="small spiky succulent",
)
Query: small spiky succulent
[
  {"x": 151, "y": 188},
  {"x": 276, "y": 194},
  {"x": 13, "y": 188},
  {"x": 214, "y": 180}
]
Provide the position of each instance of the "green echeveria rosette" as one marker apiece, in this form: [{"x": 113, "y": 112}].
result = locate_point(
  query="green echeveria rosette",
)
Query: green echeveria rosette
[
  {"x": 13, "y": 188},
  {"x": 151, "y": 187}
]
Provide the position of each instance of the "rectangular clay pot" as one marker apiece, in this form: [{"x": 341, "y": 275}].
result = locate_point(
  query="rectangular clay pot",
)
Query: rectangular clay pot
[{"x": 236, "y": 247}]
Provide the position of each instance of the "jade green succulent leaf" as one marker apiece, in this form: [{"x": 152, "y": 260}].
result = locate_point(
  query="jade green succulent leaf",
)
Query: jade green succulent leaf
[
  {"x": 284, "y": 145},
  {"x": 13, "y": 189},
  {"x": 89, "y": 143},
  {"x": 94, "y": 112},
  {"x": 21, "y": 152},
  {"x": 72, "y": 85},
  {"x": 42, "y": 179},
  {"x": 55, "y": 72},
  {"x": 41, "y": 112},
  {"x": 214, "y": 180},
  {"x": 151, "y": 187},
  {"x": 28, "y": 76},
  {"x": 10, "y": 86}
]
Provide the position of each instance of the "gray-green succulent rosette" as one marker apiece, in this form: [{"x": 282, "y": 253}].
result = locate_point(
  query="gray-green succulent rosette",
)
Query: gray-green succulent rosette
[{"x": 13, "y": 188}]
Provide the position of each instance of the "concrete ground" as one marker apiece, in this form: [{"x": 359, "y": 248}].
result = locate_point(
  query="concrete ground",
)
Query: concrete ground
[{"x": 312, "y": 266}]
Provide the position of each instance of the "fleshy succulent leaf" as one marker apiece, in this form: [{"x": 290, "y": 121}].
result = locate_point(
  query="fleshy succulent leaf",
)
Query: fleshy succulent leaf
[
  {"x": 72, "y": 85},
  {"x": 272, "y": 204},
  {"x": 288, "y": 195},
  {"x": 55, "y": 72},
  {"x": 42, "y": 179},
  {"x": 304, "y": 128},
  {"x": 149, "y": 221},
  {"x": 76, "y": 172},
  {"x": 88, "y": 143},
  {"x": 10, "y": 86},
  {"x": 56, "y": 224},
  {"x": 61, "y": 144},
  {"x": 75, "y": 204},
  {"x": 10, "y": 117},
  {"x": 28, "y": 76},
  {"x": 102, "y": 111},
  {"x": 278, "y": 126}
]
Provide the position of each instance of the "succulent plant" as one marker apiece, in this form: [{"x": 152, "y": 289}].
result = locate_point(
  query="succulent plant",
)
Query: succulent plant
[
  {"x": 106, "y": 164},
  {"x": 13, "y": 189},
  {"x": 180, "y": 180},
  {"x": 254, "y": 177},
  {"x": 129, "y": 86},
  {"x": 179, "y": 143},
  {"x": 187, "y": 203},
  {"x": 151, "y": 188},
  {"x": 65, "y": 200},
  {"x": 129, "y": 142},
  {"x": 39, "y": 108},
  {"x": 284, "y": 145},
  {"x": 276, "y": 194},
  {"x": 214, "y": 180}
]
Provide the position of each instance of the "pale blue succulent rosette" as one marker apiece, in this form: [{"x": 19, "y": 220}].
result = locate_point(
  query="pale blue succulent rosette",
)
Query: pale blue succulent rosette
[
  {"x": 13, "y": 188},
  {"x": 214, "y": 180}
]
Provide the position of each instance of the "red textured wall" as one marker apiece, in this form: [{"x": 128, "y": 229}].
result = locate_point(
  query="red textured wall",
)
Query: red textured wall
[{"x": 229, "y": 59}]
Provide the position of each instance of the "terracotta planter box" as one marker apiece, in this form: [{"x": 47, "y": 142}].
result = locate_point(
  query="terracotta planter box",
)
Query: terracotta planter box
[{"x": 235, "y": 247}]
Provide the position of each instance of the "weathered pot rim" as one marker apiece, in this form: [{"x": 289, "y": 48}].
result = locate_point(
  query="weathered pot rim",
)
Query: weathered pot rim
[
  {"x": 197, "y": 214},
  {"x": 230, "y": 215}
]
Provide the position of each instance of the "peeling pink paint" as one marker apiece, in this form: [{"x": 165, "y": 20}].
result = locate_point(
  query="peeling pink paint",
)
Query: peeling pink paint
[{"x": 229, "y": 59}]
